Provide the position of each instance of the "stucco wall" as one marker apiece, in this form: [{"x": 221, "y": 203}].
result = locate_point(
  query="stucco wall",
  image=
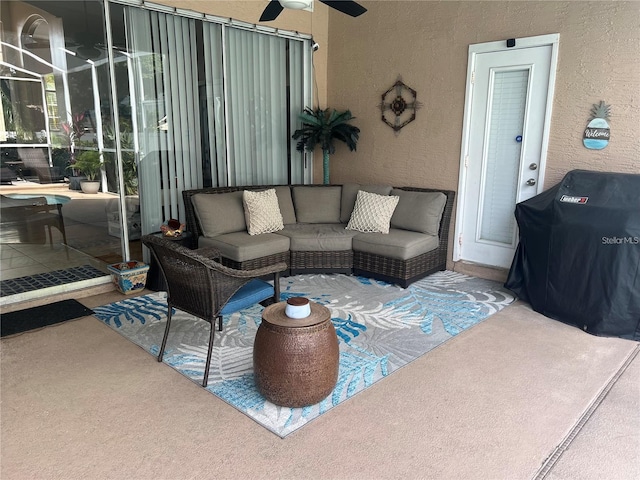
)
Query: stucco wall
[{"x": 427, "y": 44}]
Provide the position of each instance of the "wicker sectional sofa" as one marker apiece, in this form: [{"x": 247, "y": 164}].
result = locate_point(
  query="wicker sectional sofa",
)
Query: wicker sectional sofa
[{"x": 314, "y": 238}]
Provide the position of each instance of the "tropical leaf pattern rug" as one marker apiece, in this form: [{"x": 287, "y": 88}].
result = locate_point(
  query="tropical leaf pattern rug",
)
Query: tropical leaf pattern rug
[{"x": 380, "y": 327}]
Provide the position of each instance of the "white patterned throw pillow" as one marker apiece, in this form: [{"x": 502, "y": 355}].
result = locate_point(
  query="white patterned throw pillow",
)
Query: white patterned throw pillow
[
  {"x": 372, "y": 212},
  {"x": 262, "y": 212}
]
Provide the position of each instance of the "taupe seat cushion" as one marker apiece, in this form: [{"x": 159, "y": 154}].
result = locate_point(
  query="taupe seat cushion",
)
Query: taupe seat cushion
[
  {"x": 418, "y": 211},
  {"x": 318, "y": 237},
  {"x": 220, "y": 213},
  {"x": 400, "y": 244},
  {"x": 240, "y": 246},
  {"x": 317, "y": 204},
  {"x": 286, "y": 204}
]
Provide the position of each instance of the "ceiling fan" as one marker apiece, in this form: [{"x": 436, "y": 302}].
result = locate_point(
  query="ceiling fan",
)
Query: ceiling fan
[{"x": 275, "y": 7}]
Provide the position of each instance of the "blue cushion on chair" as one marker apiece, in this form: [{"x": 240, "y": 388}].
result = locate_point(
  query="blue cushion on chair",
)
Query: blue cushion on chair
[{"x": 251, "y": 293}]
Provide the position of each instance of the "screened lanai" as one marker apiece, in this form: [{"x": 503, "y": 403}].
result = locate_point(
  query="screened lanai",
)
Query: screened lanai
[{"x": 165, "y": 100}]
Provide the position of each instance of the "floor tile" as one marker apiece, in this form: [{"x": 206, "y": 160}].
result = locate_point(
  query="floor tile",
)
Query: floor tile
[
  {"x": 17, "y": 262},
  {"x": 7, "y": 251},
  {"x": 23, "y": 271}
]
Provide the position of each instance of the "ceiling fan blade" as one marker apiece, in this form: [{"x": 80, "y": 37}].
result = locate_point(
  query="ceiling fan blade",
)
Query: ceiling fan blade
[
  {"x": 272, "y": 11},
  {"x": 346, "y": 6}
]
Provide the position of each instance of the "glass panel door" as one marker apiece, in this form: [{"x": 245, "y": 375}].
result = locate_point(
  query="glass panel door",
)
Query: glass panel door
[
  {"x": 507, "y": 107},
  {"x": 149, "y": 106},
  {"x": 48, "y": 223}
]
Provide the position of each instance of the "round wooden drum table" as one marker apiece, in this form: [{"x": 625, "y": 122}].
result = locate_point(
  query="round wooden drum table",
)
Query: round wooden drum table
[{"x": 295, "y": 361}]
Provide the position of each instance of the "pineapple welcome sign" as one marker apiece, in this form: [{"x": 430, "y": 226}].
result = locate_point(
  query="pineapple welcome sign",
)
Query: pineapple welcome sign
[{"x": 596, "y": 135}]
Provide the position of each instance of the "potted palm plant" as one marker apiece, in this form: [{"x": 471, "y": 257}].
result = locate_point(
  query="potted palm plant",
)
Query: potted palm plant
[
  {"x": 322, "y": 127},
  {"x": 88, "y": 162},
  {"x": 73, "y": 132}
]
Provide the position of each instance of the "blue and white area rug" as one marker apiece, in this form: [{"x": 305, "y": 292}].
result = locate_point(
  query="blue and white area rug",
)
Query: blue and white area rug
[{"x": 381, "y": 327}]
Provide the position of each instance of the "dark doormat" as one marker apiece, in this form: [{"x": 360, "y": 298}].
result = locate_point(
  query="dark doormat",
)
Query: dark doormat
[
  {"x": 37, "y": 317},
  {"x": 12, "y": 286}
]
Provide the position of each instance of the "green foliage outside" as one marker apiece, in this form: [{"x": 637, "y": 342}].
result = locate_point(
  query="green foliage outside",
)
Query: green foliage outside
[
  {"x": 129, "y": 167},
  {"x": 88, "y": 163}
]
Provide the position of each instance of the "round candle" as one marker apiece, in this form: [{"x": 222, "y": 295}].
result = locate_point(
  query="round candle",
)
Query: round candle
[{"x": 297, "y": 307}]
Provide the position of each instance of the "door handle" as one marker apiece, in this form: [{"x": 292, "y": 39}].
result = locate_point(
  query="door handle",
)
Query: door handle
[
  {"x": 533, "y": 166},
  {"x": 531, "y": 182}
]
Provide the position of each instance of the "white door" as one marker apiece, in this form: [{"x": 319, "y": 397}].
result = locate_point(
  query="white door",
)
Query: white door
[{"x": 507, "y": 114}]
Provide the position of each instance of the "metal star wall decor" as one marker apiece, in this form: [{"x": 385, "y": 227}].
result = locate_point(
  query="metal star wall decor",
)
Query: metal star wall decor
[{"x": 399, "y": 105}]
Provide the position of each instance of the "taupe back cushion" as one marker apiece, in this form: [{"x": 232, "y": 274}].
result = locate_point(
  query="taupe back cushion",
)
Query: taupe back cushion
[
  {"x": 286, "y": 205},
  {"x": 219, "y": 213},
  {"x": 418, "y": 211},
  {"x": 317, "y": 204},
  {"x": 350, "y": 193}
]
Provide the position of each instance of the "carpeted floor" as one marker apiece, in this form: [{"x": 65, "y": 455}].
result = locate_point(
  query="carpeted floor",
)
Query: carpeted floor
[
  {"x": 380, "y": 327},
  {"x": 81, "y": 401}
]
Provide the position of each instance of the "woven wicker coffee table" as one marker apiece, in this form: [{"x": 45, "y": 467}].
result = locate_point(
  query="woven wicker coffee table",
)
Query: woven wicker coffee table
[{"x": 295, "y": 361}]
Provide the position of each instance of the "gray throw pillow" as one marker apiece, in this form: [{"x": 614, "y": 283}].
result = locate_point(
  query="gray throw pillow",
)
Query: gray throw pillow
[{"x": 418, "y": 211}]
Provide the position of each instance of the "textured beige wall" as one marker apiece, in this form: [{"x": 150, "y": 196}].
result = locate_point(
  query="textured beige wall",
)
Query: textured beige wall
[{"x": 427, "y": 44}]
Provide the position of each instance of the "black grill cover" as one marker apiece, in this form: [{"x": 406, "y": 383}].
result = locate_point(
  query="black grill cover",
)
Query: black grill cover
[{"x": 578, "y": 259}]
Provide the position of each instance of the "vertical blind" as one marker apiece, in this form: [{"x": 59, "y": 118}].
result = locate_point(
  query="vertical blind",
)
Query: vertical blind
[
  {"x": 166, "y": 97},
  {"x": 215, "y": 140},
  {"x": 296, "y": 105},
  {"x": 215, "y": 105},
  {"x": 506, "y": 119},
  {"x": 257, "y": 84}
]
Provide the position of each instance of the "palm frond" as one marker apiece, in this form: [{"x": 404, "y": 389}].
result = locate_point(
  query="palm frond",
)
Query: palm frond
[{"x": 321, "y": 127}]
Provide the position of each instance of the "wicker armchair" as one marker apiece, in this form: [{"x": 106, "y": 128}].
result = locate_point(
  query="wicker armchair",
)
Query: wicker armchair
[{"x": 199, "y": 285}]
